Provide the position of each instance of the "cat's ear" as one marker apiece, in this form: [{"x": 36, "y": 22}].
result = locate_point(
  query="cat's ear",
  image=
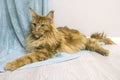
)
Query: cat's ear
[
  {"x": 50, "y": 15},
  {"x": 32, "y": 12}
]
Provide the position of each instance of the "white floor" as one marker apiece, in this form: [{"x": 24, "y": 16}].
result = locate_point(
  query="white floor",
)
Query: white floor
[{"x": 116, "y": 39}]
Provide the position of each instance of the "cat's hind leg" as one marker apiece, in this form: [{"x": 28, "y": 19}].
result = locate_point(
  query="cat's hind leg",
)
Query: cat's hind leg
[{"x": 93, "y": 45}]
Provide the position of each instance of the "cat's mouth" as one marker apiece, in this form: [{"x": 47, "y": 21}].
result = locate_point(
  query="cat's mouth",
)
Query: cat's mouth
[{"x": 38, "y": 36}]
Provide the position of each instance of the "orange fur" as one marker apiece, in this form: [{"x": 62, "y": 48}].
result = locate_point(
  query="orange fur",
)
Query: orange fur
[
  {"x": 101, "y": 37},
  {"x": 44, "y": 40}
]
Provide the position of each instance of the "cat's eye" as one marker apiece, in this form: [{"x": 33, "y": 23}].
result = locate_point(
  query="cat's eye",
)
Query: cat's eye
[
  {"x": 34, "y": 24},
  {"x": 42, "y": 25}
]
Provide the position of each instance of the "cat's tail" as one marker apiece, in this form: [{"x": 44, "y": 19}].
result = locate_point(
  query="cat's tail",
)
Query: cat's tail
[
  {"x": 93, "y": 45},
  {"x": 101, "y": 37}
]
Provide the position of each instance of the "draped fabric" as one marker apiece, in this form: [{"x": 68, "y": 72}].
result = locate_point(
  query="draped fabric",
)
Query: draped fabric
[{"x": 14, "y": 26}]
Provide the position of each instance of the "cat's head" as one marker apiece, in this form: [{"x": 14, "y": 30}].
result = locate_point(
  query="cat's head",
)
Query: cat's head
[{"x": 40, "y": 25}]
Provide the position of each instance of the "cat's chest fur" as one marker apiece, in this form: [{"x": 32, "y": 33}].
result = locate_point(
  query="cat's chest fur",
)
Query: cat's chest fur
[{"x": 33, "y": 44}]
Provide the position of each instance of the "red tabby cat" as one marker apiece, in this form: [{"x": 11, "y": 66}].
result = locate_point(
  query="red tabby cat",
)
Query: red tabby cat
[{"x": 44, "y": 40}]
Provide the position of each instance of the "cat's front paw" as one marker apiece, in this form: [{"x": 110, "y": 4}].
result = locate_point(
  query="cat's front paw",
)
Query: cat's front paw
[
  {"x": 106, "y": 53},
  {"x": 10, "y": 66}
]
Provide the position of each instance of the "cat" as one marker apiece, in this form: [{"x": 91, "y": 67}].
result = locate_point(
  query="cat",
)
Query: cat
[{"x": 44, "y": 41}]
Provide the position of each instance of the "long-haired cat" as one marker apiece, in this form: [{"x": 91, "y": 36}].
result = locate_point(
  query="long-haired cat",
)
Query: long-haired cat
[{"x": 44, "y": 40}]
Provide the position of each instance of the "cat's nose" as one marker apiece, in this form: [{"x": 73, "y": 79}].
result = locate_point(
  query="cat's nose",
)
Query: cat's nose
[{"x": 37, "y": 29}]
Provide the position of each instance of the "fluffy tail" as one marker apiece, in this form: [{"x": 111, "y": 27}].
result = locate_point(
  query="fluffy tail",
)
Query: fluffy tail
[
  {"x": 101, "y": 37},
  {"x": 93, "y": 45}
]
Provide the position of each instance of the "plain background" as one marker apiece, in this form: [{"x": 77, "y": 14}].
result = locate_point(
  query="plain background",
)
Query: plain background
[{"x": 88, "y": 16}]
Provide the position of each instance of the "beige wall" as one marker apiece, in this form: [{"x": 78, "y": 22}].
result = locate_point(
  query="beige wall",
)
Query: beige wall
[{"x": 88, "y": 15}]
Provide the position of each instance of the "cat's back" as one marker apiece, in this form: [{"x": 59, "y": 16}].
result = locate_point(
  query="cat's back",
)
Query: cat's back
[{"x": 69, "y": 32}]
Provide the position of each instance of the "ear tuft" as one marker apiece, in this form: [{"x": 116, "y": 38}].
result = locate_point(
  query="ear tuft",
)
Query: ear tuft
[
  {"x": 50, "y": 15},
  {"x": 32, "y": 12}
]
